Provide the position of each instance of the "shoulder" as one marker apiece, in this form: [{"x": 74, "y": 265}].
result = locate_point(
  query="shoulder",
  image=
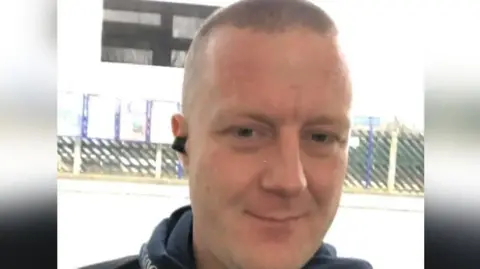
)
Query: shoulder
[
  {"x": 129, "y": 262},
  {"x": 352, "y": 263},
  {"x": 348, "y": 263},
  {"x": 328, "y": 259}
]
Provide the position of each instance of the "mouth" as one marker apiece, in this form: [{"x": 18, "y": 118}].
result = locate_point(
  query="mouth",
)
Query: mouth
[{"x": 275, "y": 219}]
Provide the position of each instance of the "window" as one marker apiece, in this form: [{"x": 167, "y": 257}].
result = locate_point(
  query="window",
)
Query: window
[
  {"x": 132, "y": 17},
  {"x": 126, "y": 55},
  {"x": 178, "y": 58},
  {"x": 150, "y": 32},
  {"x": 186, "y": 27}
]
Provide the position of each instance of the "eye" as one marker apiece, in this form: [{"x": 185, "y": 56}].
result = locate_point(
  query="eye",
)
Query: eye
[
  {"x": 244, "y": 132},
  {"x": 322, "y": 138}
]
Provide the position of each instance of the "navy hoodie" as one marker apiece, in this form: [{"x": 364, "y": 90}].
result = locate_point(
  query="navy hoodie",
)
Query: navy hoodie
[{"x": 170, "y": 247}]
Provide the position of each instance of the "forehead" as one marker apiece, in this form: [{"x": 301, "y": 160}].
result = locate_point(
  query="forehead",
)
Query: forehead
[{"x": 297, "y": 72}]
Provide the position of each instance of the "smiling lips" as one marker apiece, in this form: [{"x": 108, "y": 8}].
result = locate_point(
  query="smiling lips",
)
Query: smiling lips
[{"x": 276, "y": 219}]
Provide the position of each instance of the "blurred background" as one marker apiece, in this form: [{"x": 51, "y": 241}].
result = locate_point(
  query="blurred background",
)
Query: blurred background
[
  {"x": 119, "y": 81},
  {"x": 120, "y": 75},
  {"x": 45, "y": 40}
]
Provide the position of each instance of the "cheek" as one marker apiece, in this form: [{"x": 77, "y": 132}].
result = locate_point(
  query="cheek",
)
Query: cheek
[
  {"x": 326, "y": 176},
  {"x": 221, "y": 175}
]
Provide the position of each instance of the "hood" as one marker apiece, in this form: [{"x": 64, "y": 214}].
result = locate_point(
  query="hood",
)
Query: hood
[{"x": 170, "y": 246}]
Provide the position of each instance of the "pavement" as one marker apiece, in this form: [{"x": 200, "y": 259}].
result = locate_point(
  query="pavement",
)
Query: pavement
[{"x": 104, "y": 220}]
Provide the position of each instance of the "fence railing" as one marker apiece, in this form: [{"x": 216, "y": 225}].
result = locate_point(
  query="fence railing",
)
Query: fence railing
[{"x": 390, "y": 161}]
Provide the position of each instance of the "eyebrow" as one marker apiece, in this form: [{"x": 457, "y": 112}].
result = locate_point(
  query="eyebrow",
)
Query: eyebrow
[
  {"x": 272, "y": 121},
  {"x": 226, "y": 115},
  {"x": 341, "y": 122}
]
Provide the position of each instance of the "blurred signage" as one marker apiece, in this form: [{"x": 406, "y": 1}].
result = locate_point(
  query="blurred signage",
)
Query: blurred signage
[
  {"x": 102, "y": 117},
  {"x": 97, "y": 116},
  {"x": 69, "y": 114},
  {"x": 133, "y": 120},
  {"x": 366, "y": 121}
]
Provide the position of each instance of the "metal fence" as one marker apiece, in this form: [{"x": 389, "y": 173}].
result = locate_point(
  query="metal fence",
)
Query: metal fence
[
  {"x": 374, "y": 163},
  {"x": 406, "y": 176}
]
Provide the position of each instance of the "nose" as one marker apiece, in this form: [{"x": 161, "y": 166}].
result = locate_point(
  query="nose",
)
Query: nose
[{"x": 286, "y": 175}]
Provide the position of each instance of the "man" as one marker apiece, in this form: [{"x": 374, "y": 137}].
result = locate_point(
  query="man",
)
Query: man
[{"x": 266, "y": 102}]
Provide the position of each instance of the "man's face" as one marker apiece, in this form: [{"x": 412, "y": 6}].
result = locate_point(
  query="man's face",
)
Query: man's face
[{"x": 267, "y": 149}]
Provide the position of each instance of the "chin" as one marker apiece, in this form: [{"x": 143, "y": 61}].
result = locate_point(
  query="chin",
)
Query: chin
[
  {"x": 274, "y": 257},
  {"x": 270, "y": 263}
]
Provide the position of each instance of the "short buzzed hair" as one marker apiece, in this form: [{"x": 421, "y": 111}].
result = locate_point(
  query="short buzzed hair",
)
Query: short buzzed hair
[{"x": 269, "y": 16}]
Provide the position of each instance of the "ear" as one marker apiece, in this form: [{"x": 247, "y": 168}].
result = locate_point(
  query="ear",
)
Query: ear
[
  {"x": 179, "y": 129},
  {"x": 178, "y": 125}
]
